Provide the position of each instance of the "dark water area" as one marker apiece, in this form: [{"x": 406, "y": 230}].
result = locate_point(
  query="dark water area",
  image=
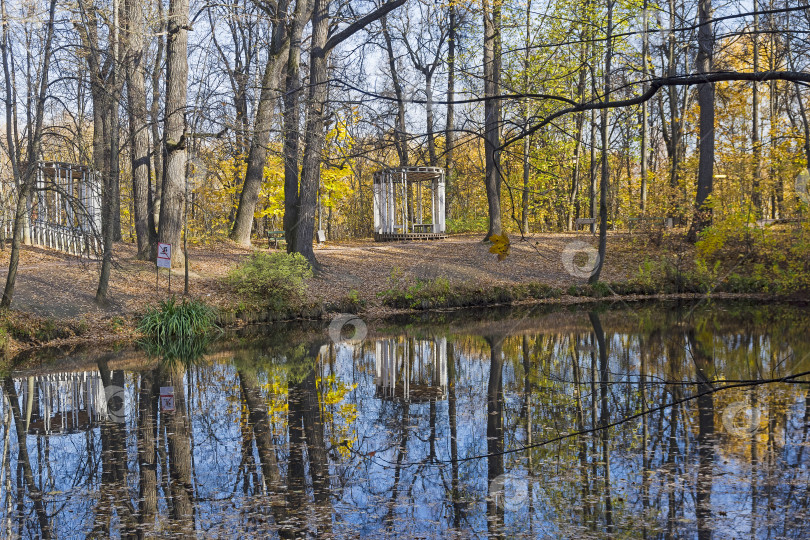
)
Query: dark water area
[{"x": 642, "y": 421}]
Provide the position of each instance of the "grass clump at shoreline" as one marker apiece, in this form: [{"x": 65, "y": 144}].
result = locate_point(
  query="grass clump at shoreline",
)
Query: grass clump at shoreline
[{"x": 171, "y": 320}]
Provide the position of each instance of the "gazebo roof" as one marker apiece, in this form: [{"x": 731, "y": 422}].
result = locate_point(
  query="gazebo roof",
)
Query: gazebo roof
[{"x": 411, "y": 174}]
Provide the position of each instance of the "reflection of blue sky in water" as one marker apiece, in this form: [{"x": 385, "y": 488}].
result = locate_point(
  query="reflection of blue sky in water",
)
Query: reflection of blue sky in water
[{"x": 395, "y": 479}]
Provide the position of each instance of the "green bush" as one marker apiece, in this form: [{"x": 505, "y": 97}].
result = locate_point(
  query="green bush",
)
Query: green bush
[
  {"x": 272, "y": 280},
  {"x": 171, "y": 320},
  {"x": 350, "y": 303}
]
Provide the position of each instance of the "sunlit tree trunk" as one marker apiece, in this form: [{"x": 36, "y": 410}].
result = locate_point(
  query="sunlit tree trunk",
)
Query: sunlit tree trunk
[
  {"x": 705, "y": 178},
  {"x": 260, "y": 142},
  {"x": 756, "y": 191},
  {"x": 604, "y": 178},
  {"x": 492, "y": 113},
  {"x": 138, "y": 129},
  {"x": 174, "y": 131},
  {"x": 450, "y": 126}
]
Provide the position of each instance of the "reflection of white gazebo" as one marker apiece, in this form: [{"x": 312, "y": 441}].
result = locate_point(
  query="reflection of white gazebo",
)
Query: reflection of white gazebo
[
  {"x": 409, "y": 204},
  {"x": 67, "y": 402},
  {"x": 411, "y": 369}
]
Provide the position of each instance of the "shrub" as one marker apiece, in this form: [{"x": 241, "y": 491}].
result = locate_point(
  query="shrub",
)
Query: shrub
[
  {"x": 171, "y": 320},
  {"x": 272, "y": 280}
]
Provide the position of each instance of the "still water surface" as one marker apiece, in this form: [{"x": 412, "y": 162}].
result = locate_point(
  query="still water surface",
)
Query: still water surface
[{"x": 637, "y": 422}]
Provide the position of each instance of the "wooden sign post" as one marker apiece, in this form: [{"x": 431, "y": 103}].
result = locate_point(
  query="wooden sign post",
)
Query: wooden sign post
[{"x": 164, "y": 260}]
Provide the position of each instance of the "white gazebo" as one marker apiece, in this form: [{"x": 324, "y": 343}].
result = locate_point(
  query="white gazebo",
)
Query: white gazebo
[
  {"x": 66, "y": 210},
  {"x": 409, "y": 204}
]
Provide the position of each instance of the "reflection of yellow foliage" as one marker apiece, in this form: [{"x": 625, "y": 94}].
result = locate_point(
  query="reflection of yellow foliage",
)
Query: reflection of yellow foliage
[
  {"x": 339, "y": 417},
  {"x": 277, "y": 405}
]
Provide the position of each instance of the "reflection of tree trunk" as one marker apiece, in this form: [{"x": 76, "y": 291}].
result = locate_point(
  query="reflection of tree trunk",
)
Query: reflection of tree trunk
[
  {"x": 645, "y": 458},
  {"x": 178, "y": 434},
  {"x": 296, "y": 475},
  {"x": 316, "y": 446},
  {"x": 401, "y": 450},
  {"x": 451, "y": 412},
  {"x": 495, "y": 434},
  {"x": 604, "y": 415},
  {"x": 147, "y": 462},
  {"x": 24, "y": 460},
  {"x": 587, "y": 509},
  {"x": 527, "y": 414},
  {"x": 705, "y": 438},
  {"x": 755, "y": 473},
  {"x": 113, "y": 458},
  {"x": 263, "y": 434}
]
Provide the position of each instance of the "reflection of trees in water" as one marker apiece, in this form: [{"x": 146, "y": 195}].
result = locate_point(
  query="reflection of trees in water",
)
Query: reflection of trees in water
[{"x": 257, "y": 442}]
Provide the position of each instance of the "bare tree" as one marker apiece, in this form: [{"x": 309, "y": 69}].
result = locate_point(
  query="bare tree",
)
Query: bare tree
[
  {"x": 304, "y": 219},
  {"x": 24, "y": 173}
]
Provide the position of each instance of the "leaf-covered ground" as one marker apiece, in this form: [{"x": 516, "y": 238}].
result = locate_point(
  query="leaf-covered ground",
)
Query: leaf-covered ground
[{"x": 54, "y": 285}]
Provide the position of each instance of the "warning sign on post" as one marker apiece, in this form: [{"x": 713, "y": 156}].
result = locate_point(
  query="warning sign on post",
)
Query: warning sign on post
[
  {"x": 164, "y": 256},
  {"x": 167, "y": 398}
]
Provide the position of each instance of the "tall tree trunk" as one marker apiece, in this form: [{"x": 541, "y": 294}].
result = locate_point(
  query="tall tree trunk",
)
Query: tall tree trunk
[
  {"x": 304, "y": 220},
  {"x": 138, "y": 130},
  {"x": 400, "y": 131},
  {"x": 109, "y": 208},
  {"x": 174, "y": 131},
  {"x": 429, "y": 118},
  {"x": 260, "y": 142},
  {"x": 313, "y": 133},
  {"x": 257, "y": 157},
  {"x": 756, "y": 189},
  {"x": 157, "y": 141},
  {"x": 674, "y": 114},
  {"x": 524, "y": 203},
  {"x": 702, "y": 213},
  {"x": 605, "y": 171},
  {"x": 492, "y": 113},
  {"x": 292, "y": 130},
  {"x": 580, "y": 122},
  {"x": 645, "y": 120},
  {"x": 592, "y": 187},
  {"x": 449, "y": 136}
]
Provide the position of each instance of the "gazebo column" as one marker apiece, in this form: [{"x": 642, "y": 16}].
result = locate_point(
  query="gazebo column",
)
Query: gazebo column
[
  {"x": 438, "y": 204},
  {"x": 375, "y": 191},
  {"x": 405, "y": 208},
  {"x": 392, "y": 201}
]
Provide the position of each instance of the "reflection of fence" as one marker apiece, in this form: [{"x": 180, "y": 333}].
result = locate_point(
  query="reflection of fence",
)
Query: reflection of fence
[
  {"x": 411, "y": 369},
  {"x": 64, "y": 212},
  {"x": 59, "y": 403}
]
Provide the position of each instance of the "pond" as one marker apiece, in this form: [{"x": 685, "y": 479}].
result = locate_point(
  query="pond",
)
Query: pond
[{"x": 647, "y": 421}]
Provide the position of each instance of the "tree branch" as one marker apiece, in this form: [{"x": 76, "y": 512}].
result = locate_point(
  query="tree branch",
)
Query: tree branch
[
  {"x": 358, "y": 25},
  {"x": 657, "y": 84}
]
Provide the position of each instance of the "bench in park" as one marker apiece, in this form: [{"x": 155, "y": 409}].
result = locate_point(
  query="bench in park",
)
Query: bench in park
[
  {"x": 275, "y": 236},
  {"x": 584, "y": 221}
]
